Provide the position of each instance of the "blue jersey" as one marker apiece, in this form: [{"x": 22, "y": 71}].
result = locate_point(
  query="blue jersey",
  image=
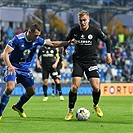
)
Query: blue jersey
[{"x": 23, "y": 51}]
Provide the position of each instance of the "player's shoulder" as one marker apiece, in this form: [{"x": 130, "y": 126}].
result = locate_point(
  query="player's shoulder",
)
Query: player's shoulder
[
  {"x": 93, "y": 27},
  {"x": 75, "y": 27},
  {"x": 20, "y": 36},
  {"x": 40, "y": 40}
]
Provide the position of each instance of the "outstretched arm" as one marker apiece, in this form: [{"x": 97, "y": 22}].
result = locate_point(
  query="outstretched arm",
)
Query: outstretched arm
[
  {"x": 108, "y": 57},
  {"x": 60, "y": 43}
]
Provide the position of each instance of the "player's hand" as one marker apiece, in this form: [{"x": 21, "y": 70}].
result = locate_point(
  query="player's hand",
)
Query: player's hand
[
  {"x": 48, "y": 43},
  {"x": 39, "y": 66},
  {"x": 109, "y": 59},
  {"x": 72, "y": 42},
  {"x": 54, "y": 65},
  {"x": 62, "y": 70},
  {"x": 11, "y": 70}
]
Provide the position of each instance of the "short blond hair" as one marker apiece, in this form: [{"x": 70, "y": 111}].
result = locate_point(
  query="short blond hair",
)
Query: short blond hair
[{"x": 82, "y": 13}]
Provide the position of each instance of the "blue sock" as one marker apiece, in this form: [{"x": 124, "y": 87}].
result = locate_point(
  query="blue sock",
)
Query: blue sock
[
  {"x": 4, "y": 101},
  {"x": 23, "y": 99}
]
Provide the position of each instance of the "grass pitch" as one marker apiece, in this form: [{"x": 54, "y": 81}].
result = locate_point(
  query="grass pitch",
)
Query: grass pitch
[{"x": 48, "y": 117}]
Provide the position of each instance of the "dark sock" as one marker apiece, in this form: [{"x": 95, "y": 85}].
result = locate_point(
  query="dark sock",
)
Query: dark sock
[
  {"x": 23, "y": 99},
  {"x": 58, "y": 87},
  {"x": 72, "y": 99},
  {"x": 4, "y": 101},
  {"x": 52, "y": 85},
  {"x": 45, "y": 87},
  {"x": 96, "y": 97},
  {"x": 56, "y": 92}
]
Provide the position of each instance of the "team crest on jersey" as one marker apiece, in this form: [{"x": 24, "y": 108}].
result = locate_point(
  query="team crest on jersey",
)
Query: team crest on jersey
[{"x": 90, "y": 36}]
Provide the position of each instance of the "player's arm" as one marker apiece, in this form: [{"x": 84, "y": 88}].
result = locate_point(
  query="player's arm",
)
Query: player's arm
[
  {"x": 38, "y": 63},
  {"x": 57, "y": 60},
  {"x": 6, "y": 53},
  {"x": 50, "y": 43},
  {"x": 108, "y": 56},
  {"x": 63, "y": 66},
  {"x": 105, "y": 38},
  {"x": 6, "y": 59},
  {"x": 59, "y": 43}
]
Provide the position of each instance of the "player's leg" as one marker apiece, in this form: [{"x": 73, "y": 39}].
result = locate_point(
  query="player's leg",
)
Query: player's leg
[
  {"x": 6, "y": 96},
  {"x": 76, "y": 74},
  {"x": 52, "y": 86},
  {"x": 73, "y": 96},
  {"x": 58, "y": 87},
  {"x": 45, "y": 88},
  {"x": 59, "y": 75},
  {"x": 45, "y": 75},
  {"x": 94, "y": 79},
  {"x": 28, "y": 83},
  {"x": 54, "y": 75},
  {"x": 95, "y": 83},
  {"x": 10, "y": 84}
]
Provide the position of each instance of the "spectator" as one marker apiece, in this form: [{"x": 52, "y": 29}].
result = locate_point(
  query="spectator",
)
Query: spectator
[{"x": 10, "y": 32}]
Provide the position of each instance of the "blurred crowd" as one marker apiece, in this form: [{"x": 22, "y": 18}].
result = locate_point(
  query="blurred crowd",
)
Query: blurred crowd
[
  {"x": 121, "y": 48},
  {"x": 122, "y": 55}
]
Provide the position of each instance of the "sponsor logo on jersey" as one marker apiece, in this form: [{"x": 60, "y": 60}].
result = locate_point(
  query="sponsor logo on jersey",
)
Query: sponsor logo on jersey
[
  {"x": 52, "y": 51},
  {"x": 47, "y": 52},
  {"x": 54, "y": 73},
  {"x": 82, "y": 36},
  {"x": 92, "y": 68}
]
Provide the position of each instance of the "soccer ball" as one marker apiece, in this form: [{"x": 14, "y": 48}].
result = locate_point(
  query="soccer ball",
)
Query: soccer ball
[{"x": 82, "y": 114}]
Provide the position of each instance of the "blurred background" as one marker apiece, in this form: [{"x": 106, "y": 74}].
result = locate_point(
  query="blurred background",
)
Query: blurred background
[{"x": 56, "y": 17}]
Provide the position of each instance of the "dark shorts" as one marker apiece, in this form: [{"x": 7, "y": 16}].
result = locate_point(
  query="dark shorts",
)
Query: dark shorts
[
  {"x": 79, "y": 69},
  {"x": 26, "y": 81},
  {"x": 48, "y": 71}
]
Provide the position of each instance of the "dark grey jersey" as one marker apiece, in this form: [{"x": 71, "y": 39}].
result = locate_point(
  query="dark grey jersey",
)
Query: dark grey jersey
[
  {"x": 86, "y": 46},
  {"x": 48, "y": 56}
]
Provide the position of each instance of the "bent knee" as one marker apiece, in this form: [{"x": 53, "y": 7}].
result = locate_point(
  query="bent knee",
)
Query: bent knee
[
  {"x": 74, "y": 88},
  {"x": 9, "y": 88},
  {"x": 30, "y": 91}
]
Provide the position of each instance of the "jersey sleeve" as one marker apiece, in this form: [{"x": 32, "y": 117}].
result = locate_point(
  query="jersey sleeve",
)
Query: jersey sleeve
[
  {"x": 104, "y": 38},
  {"x": 101, "y": 35},
  {"x": 42, "y": 41},
  {"x": 12, "y": 43}
]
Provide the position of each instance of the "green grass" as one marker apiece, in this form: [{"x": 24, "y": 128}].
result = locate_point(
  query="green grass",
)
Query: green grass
[{"x": 48, "y": 117}]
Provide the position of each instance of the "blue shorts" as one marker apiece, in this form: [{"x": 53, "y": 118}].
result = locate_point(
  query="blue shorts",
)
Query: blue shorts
[{"x": 25, "y": 79}]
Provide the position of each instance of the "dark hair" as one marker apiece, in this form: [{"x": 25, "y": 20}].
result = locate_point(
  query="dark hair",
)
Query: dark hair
[{"x": 34, "y": 27}]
